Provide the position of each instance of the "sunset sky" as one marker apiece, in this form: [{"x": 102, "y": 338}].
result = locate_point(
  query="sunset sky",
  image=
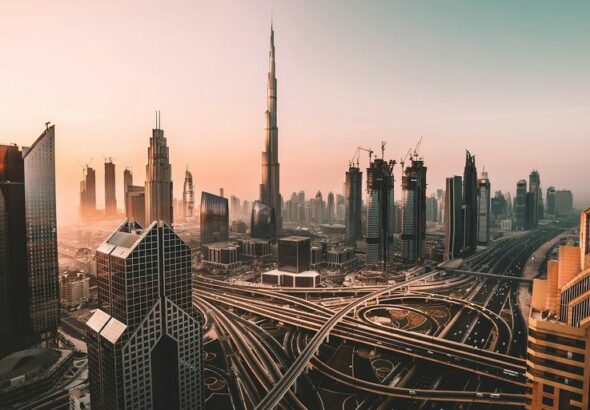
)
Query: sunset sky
[{"x": 510, "y": 81}]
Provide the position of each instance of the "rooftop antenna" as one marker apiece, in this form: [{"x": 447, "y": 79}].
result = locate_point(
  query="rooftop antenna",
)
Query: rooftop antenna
[
  {"x": 383, "y": 150},
  {"x": 47, "y": 125}
]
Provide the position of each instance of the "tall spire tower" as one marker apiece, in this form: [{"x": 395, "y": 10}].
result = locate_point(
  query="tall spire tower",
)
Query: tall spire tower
[
  {"x": 270, "y": 188},
  {"x": 158, "y": 179}
]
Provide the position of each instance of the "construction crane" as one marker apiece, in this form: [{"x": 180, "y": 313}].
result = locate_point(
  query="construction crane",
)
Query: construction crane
[
  {"x": 417, "y": 148},
  {"x": 403, "y": 160},
  {"x": 356, "y": 157},
  {"x": 369, "y": 150}
]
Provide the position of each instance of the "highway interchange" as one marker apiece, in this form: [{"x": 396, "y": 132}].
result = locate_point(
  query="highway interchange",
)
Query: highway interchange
[{"x": 340, "y": 348}]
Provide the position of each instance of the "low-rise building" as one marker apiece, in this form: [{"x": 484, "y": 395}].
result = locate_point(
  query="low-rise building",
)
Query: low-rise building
[
  {"x": 74, "y": 288},
  {"x": 222, "y": 255}
]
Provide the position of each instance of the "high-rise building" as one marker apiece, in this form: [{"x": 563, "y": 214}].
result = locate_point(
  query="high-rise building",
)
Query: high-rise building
[
  {"x": 270, "y": 186},
  {"x": 470, "y": 205},
  {"x": 262, "y": 222},
  {"x": 135, "y": 210},
  {"x": 520, "y": 205},
  {"x": 431, "y": 209},
  {"x": 499, "y": 205},
  {"x": 158, "y": 183},
  {"x": 88, "y": 194},
  {"x": 41, "y": 225},
  {"x": 319, "y": 208},
  {"x": 558, "y": 348},
  {"x": 110, "y": 199},
  {"x": 354, "y": 204},
  {"x": 144, "y": 340},
  {"x": 14, "y": 307},
  {"x": 440, "y": 200},
  {"x": 530, "y": 210},
  {"x": 564, "y": 202},
  {"x": 536, "y": 210},
  {"x": 413, "y": 212},
  {"x": 453, "y": 218},
  {"x": 127, "y": 182},
  {"x": 483, "y": 209},
  {"x": 331, "y": 208},
  {"x": 294, "y": 254},
  {"x": 214, "y": 218},
  {"x": 380, "y": 212},
  {"x": 550, "y": 201},
  {"x": 188, "y": 195},
  {"x": 235, "y": 208}
]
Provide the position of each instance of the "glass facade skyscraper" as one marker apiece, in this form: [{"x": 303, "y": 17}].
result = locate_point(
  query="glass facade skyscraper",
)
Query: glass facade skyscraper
[
  {"x": 380, "y": 213},
  {"x": 483, "y": 209},
  {"x": 110, "y": 196},
  {"x": 453, "y": 218},
  {"x": 214, "y": 218},
  {"x": 262, "y": 221},
  {"x": 470, "y": 205},
  {"x": 413, "y": 221},
  {"x": 354, "y": 204},
  {"x": 144, "y": 340},
  {"x": 158, "y": 183}
]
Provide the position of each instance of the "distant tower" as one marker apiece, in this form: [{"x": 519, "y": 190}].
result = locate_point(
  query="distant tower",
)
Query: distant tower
[
  {"x": 453, "y": 218},
  {"x": 144, "y": 340},
  {"x": 380, "y": 213},
  {"x": 270, "y": 186},
  {"x": 110, "y": 199},
  {"x": 353, "y": 196},
  {"x": 331, "y": 208},
  {"x": 470, "y": 205},
  {"x": 319, "y": 208},
  {"x": 188, "y": 195},
  {"x": 88, "y": 193},
  {"x": 127, "y": 182},
  {"x": 537, "y": 199},
  {"x": 413, "y": 212},
  {"x": 483, "y": 209},
  {"x": 520, "y": 205},
  {"x": 550, "y": 201},
  {"x": 158, "y": 183}
]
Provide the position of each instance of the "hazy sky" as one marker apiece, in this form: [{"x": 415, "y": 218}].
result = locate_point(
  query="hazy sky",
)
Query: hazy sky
[{"x": 508, "y": 80}]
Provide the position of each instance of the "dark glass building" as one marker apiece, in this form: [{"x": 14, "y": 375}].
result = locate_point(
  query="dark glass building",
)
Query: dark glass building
[
  {"x": 262, "y": 222},
  {"x": 537, "y": 208},
  {"x": 110, "y": 197},
  {"x": 380, "y": 213},
  {"x": 453, "y": 218},
  {"x": 214, "y": 218},
  {"x": 294, "y": 254},
  {"x": 354, "y": 204},
  {"x": 14, "y": 309},
  {"x": 135, "y": 203},
  {"x": 470, "y": 189},
  {"x": 550, "y": 201},
  {"x": 88, "y": 194},
  {"x": 144, "y": 340},
  {"x": 413, "y": 212},
  {"x": 520, "y": 205}
]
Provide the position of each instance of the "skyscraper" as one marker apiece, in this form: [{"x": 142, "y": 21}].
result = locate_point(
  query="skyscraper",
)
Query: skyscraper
[
  {"x": 380, "y": 212},
  {"x": 144, "y": 340},
  {"x": 270, "y": 186},
  {"x": 564, "y": 202},
  {"x": 413, "y": 212},
  {"x": 483, "y": 209},
  {"x": 88, "y": 193},
  {"x": 470, "y": 205},
  {"x": 550, "y": 201},
  {"x": 214, "y": 218},
  {"x": 14, "y": 307},
  {"x": 453, "y": 218},
  {"x": 135, "y": 210},
  {"x": 319, "y": 208},
  {"x": 331, "y": 208},
  {"x": 110, "y": 199},
  {"x": 188, "y": 195},
  {"x": 262, "y": 221},
  {"x": 520, "y": 205},
  {"x": 354, "y": 204},
  {"x": 158, "y": 183},
  {"x": 537, "y": 205},
  {"x": 127, "y": 182},
  {"x": 431, "y": 209},
  {"x": 41, "y": 225}
]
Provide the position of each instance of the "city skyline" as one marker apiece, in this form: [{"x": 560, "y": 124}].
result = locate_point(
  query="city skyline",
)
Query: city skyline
[{"x": 479, "y": 86}]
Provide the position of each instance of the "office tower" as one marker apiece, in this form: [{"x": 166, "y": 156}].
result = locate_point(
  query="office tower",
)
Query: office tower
[
  {"x": 470, "y": 205},
  {"x": 135, "y": 210},
  {"x": 188, "y": 195},
  {"x": 431, "y": 209},
  {"x": 294, "y": 254},
  {"x": 110, "y": 199},
  {"x": 127, "y": 182},
  {"x": 331, "y": 208},
  {"x": 246, "y": 209},
  {"x": 508, "y": 204},
  {"x": 564, "y": 202},
  {"x": 14, "y": 306},
  {"x": 453, "y": 218},
  {"x": 144, "y": 340},
  {"x": 158, "y": 183},
  {"x": 550, "y": 202},
  {"x": 536, "y": 209},
  {"x": 499, "y": 205},
  {"x": 354, "y": 204},
  {"x": 440, "y": 204},
  {"x": 530, "y": 211},
  {"x": 318, "y": 208},
  {"x": 558, "y": 359},
  {"x": 263, "y": 222},
  {"x": 520, "y": 205},
  {"x": 270, "y": 186},
  {"x": 380, "y": 212},
  {"x": 483, "y": 209},
  {"x": 340, "y": 208},
  {"x": 413, "y": 212},
  {"x": 214, "y": 218},
  {"x": 88, "y": 193}
]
